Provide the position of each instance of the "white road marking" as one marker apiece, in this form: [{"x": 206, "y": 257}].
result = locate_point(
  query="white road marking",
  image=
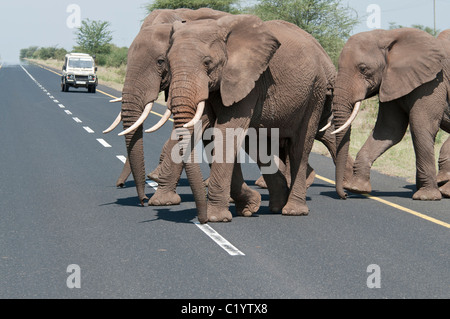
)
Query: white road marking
[
  {"x": 152, "y": 183},
  {"x": 68, "y": 112},
  {"x": 28, "y": 73},
  {"x": 103, "y": 142},
  {"x": 61, "y": 106},
  {"x": 56, "y": 101},
  {"x": 122, "y": 158},
  {"x": 76, "y": 119},
  {"x": 52, "y": 97},
  {"x": 88, "y": 129},
  {"x": 219, "y": 240}
]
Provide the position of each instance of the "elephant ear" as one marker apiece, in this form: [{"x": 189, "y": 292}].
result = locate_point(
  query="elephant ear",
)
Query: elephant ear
[
  {"x": 413, "y": 58},
  {"x": 250, "y": 46}
]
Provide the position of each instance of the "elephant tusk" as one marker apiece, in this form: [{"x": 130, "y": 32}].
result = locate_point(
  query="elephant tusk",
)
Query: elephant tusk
[
  {"x": 350, "y": 120},
  {"x": 161, "y": 122},
  {"x": 119, "y": 99},
  {"x": 140, "y": 120},
  {"x": 198, "y": 115},
  {"x": 325, "y": 127},
  {"x": 114, "y": 124}
]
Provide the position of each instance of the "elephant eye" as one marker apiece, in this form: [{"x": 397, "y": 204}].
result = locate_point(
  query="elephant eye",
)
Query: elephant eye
[
  {"x": 160, "y": 62},
  {"x": 207, "y": 62},
  {"x": 363, "y": 68}
]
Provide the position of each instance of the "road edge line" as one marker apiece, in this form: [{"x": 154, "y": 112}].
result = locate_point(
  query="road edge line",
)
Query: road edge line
[{"x": 396, "y": 206}]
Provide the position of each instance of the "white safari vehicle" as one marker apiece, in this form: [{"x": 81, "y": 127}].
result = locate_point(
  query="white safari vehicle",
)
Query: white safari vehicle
[{"x": 79, "y": 70}]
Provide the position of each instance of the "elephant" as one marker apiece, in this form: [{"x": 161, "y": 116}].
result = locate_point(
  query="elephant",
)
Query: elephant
[
  {"x": 147, "y": 75},
  {"x": 247, "y": 73},
  {"x": 443, "y": 177},
  {"x": 409, "y": 70}
]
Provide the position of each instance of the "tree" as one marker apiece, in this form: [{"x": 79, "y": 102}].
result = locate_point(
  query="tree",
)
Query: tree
[
  {"x": 231, "y": 6},
  {"x": 430, "y": 30},
  {"x": 93, "y": 37},
  {"x": 326, "y": 20}
]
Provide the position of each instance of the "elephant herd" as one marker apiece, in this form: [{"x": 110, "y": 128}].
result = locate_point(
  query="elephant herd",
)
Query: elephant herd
[{"x": 229, "y": 72}]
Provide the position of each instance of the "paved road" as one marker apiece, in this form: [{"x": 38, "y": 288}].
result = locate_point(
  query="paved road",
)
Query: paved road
[{"x": 59, "y": 207}]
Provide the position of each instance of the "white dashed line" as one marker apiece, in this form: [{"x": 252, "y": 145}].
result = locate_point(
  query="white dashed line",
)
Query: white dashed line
[
  {"x": 88, "y": 129},
  {"x": 152, "y": 184},
  {"x": 208, "y": 230},
  {"x": 122, "y": 158},
  {"x": 219, "y": 240},
  {"x": 103, "y": 142}
]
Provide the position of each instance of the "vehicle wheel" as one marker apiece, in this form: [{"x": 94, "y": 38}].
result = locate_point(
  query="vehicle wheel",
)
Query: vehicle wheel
[
  {"x": 93, "y": 89},
  {"x": 66, "y": 88}
]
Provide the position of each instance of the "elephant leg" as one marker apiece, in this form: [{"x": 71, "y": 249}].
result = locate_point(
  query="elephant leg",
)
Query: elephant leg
[
  {"x": 444, "y": 154},
  {"x": 126, "y": 171},
  {"x": 444, "y": 163},
  {"x": 298, "y": 152},
  {"x": 222, "y": 168},
  {"x": 169, "y": 175},
  {"x": 247, "y": 200},
  {"x": 389, "y": 130},
  {"x": 423, "y": 134},
  {"x": 154, "y": 175}
]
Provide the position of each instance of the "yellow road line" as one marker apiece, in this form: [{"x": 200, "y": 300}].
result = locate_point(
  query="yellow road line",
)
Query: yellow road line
[
  {"x": 399, "y": 207},
  {"x": 107, "y": 94}
]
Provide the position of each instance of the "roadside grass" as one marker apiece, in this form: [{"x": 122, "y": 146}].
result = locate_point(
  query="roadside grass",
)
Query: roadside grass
[{"x": 399, "y": 160}]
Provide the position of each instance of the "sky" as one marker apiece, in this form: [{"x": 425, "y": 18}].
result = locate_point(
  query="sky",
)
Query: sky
[{"x": 44, "y": 23}]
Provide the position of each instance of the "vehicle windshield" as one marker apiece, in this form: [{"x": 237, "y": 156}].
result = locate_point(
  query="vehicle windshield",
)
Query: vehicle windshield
[{"x": 80, "y": 63}]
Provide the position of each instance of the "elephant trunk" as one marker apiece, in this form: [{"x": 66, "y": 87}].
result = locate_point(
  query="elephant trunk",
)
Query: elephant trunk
[
  {"x": 135, "y": 148},
  {"x": 184, "y": 97},
  {"x": 342, "y": 112}
]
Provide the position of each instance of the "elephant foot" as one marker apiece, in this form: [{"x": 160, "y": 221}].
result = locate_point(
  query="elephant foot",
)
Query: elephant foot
[
  {"x": 247, "y": 204},
  {"x": 295, "y": 209},
  {"x": 427, "y": 193},
  {"x": 359, "y": 186},
  {"x": 445, "y": 190},
  {"x": 218, "y": 214},
  {"x": 443, "y": 177},
  {"x": 260, "y": 182},
  {"x": 164, "y": 198}
]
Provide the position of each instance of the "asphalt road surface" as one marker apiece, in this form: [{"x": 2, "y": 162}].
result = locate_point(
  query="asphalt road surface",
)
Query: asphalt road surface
[{"x": 66, "y": 231}]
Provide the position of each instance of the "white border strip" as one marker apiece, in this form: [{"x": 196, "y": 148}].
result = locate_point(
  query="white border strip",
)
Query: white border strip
[
  {"x": 222, "y": 242},
  {"x": 103, "y": 142}
]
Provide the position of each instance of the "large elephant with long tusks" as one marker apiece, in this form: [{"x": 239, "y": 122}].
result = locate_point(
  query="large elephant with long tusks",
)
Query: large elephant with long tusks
[
  {"x": 251, "y": 74},
  {"x": 147, "y": 75}
]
